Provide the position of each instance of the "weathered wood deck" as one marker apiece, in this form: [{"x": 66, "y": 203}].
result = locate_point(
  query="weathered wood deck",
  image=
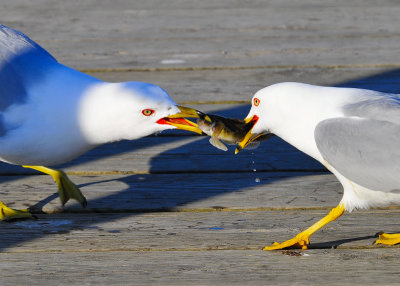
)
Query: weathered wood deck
[{"x": 171, "y": 209}]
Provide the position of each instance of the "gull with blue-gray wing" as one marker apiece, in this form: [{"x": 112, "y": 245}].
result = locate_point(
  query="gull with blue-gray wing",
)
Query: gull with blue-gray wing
[
  {"x": 50, "y": 113},
  {"x": 355, "y": 133}
]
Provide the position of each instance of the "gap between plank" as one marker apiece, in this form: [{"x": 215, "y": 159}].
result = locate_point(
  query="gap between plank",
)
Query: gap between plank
[
  {"x": 191, "y": 249},
  {"x": 198, "y": 210},
  {"x": 103, "y": 173},
  {"x": 207, "y": 68}
]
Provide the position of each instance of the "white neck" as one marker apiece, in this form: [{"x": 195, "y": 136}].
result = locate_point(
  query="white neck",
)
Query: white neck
[{"x": 294, "y": 110}]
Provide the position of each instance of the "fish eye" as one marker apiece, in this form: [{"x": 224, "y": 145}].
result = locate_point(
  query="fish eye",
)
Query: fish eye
[
  {"x": 256, "y": 101},
  {"x": 147, "y": 112}
]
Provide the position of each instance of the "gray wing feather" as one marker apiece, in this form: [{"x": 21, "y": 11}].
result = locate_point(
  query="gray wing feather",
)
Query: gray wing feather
[
  {"x": 22, "y": 62},
  {"x": 381, "y": 106},
  {"x": 366, "y": 151}
]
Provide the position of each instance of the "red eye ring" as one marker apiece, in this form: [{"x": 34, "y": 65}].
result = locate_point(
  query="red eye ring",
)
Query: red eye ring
[
  {"x": 148, "y": 112},
  {"x": 256, "y": 101}
]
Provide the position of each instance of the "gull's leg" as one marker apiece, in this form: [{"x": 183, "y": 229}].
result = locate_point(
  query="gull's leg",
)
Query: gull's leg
[
  {"x": 66, "y": 189},
  {"x": 7, "y": 213},
  {"x": 388, "y": 238},
  {"x": 303, "y": 238}
]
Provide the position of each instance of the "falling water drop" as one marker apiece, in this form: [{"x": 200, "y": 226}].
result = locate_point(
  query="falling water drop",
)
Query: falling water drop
[{"x": 257, "y": 180}]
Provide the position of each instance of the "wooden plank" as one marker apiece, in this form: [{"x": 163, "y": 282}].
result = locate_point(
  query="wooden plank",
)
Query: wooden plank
[
  {"x": 223, "y": 33},
  {"x": 154, "y": 192},
  {"x": 333, "y": 267},
  {"x": 190, "y": 231},
  {"x": 192, "y": 86},
  {"x": 166, "y": 154}
]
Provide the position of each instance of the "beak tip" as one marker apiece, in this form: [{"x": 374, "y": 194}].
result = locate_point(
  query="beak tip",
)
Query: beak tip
[{"x": 189, "y": 112}]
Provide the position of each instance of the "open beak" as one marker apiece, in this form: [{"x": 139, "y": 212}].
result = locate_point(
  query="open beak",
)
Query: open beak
[
  {"x": 178, "y": 119},
  {"x": 249, "y": 137}
]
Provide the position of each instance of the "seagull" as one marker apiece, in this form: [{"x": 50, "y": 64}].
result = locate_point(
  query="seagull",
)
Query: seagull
[
  {"x": 354, "y": 133},
  {"x": 50, "y": 113}
]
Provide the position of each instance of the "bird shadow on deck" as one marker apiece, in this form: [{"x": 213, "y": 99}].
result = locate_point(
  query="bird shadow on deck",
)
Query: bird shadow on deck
[
  {"x": 337, "y": 243},
  {"x": 386, "y": 82}
]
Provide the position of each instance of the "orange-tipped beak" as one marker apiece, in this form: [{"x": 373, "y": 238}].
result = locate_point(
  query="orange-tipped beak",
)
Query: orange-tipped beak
[
  {"x": 178, "y": 120},
  {"x": 249, "y": 137}
]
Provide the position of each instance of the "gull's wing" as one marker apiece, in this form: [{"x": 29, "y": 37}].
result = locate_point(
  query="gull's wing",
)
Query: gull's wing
[
  {"x": 22, "y": 63},
  {"x": 378, "y": 106},
  {"x": 364, "y": 150}
]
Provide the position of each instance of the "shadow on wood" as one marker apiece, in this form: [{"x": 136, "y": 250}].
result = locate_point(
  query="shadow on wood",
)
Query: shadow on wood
[
  {"x": 186, "y": 194},
  {"x": 336, "y": 243}
]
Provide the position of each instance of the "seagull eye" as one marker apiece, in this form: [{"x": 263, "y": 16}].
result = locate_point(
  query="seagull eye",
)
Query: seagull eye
[
  {"x": 256, "y": 102},
  {"x": 148, "y": 112}
]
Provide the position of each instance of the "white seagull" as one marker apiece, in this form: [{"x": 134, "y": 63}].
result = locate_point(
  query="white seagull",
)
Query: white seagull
[
  {"x": 354, "y": 133},
  {"x": 50, "y": 113}
]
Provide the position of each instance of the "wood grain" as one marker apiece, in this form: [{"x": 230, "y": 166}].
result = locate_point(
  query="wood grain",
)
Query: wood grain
[{"x": 171, "y": 209}]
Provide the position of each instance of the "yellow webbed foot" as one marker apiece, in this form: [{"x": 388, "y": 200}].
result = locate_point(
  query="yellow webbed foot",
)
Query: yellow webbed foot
[
  {"x": 8, "y": 214},
  {"x": 299, "y": 241},
  {"x": 303, "y": 238},
  {"x": 66, "y": 188},
  {"x": 388, "y": 238}
]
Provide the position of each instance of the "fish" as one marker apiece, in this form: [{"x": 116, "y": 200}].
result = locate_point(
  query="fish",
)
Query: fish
[{"x": 226, "y": 130}]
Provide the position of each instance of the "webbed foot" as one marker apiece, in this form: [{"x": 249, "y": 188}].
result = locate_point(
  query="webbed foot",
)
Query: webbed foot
[
  {"x": 302, "y": 239},
  {"x": 8, "y": 214},
  {"x": 388, "y": 238},
  {"x": 66, "y": 188},
  {"x": 299, "y": 241}
]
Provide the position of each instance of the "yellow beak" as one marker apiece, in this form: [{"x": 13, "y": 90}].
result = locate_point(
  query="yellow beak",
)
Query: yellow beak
[
  {"x": 178, "y": 119},
  {"x": 249, "y": 137}
]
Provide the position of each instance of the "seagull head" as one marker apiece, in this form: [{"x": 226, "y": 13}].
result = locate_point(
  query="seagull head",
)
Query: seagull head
[
  {"x": 257, "y": 118},
  {"x": 130, "y": 110}
]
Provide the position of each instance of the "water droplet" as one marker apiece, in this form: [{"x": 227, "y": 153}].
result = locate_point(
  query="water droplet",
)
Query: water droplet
[
  {"x": 254, "y": 170},
  {"x": 257, "y": 180}
]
